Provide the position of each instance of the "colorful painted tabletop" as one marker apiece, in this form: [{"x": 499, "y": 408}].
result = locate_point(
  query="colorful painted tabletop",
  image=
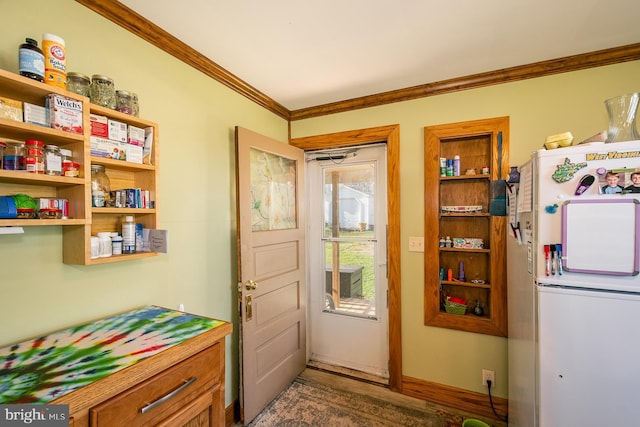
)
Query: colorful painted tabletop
[{"x": 43, "y": 369}]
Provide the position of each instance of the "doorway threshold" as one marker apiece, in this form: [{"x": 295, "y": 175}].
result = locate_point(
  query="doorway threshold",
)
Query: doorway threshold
[{"x": 348, "y": 373}]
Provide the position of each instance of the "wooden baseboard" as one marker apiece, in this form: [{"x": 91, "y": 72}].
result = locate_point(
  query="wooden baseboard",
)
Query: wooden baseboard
[
  {"x": 463, "y": 400},
  {"x": 232, "y": 414}
]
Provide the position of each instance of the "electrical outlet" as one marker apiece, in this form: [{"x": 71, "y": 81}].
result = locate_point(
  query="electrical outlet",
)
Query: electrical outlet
[{"x": 488, "y": 375}]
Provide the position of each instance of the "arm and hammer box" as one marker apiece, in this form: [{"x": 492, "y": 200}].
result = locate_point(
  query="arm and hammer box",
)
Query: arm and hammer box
[
  {"x": 64, "y": 113},
  {"x": 35, "y": 114},
  {"x": 135, "y": 136},
  {"x": 117, "y": 131},
  {"x": 103, "y": 147},
  {"x": 10, "y": 109},
  {"x": 99, "y": 126}
]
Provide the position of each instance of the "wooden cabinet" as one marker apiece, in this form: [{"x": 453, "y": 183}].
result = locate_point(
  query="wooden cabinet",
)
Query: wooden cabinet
[
  {"x": 83, "y": 221},
  {"x": 182, "y": 385},
  {"x": 459, "y": 207},
  {"x": 188, "y": 390}
]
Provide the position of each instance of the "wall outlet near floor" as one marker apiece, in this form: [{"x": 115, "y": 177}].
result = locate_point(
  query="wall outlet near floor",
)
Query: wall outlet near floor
[
  {"x": 416, "y": 244},
  {"x": 488, "y": 375}
]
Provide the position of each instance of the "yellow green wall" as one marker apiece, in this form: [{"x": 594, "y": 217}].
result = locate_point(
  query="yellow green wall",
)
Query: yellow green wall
[
  {"x": 537, "y": 108},
  {"x": 196, "y": 116}
]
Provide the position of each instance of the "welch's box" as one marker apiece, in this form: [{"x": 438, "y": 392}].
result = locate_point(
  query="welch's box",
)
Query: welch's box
[{"x": 64, "y": 113}]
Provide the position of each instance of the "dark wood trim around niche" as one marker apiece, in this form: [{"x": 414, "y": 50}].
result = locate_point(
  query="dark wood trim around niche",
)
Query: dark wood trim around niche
[{"x": 136, "y": 24}]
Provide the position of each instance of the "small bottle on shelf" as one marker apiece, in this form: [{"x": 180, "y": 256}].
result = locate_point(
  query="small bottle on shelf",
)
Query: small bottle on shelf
[
  {"x": 456, "y": 166},
  {"x": 128, "y": 235}
]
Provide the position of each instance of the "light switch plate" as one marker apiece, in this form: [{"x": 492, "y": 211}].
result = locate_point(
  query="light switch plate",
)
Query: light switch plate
[{"x": 416, "y": 244}]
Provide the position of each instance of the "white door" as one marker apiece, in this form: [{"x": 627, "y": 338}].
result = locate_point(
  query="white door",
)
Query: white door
[
  {"x": 271, "y": 264},
  {"x": 347, "y": 241}
]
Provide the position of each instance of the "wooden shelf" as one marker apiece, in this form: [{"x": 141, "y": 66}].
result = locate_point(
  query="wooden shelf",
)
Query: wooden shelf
[
  {"x": 84, "y": 221},
  {"x": 119, "y": 258},
  {"x": 476, "y": 144},
  {"x": 469, "y": 284},
  {"x": 39, "y": 222}
]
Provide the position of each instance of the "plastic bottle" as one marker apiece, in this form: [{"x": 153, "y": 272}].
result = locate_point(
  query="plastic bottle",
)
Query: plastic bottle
[
  {"x": 449, "y": 170},
  {"x": 55, "y": 61},
  {"x": 443, "y": 166},
  {"x": 139, "y": 238},
  {"x": 456, "y": 166},
  {"x": 31, "y": 60},
  {"x": 128, "y": 235}
]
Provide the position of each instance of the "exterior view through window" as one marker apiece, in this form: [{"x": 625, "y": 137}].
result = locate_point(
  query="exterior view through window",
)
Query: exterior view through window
[{"x": 349, "y": 239}]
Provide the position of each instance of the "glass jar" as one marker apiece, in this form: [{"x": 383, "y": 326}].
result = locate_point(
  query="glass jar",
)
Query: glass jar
[
  {"x": 124, "y": 102},
  {"x": 70, "y": 168},
  {"x": 622, "y": 112},
  {"x": 103, "y": 91},
  {"x": 100, "y": 187},
  {"x": 13, "y": 158},
  {"x": 135, "y": 105},
  {"x": 78, "y": 83},
  {"x": 67, "y": 155},
  {"x": 52, "y": 160},
  {"x": 34, "y": 156}
]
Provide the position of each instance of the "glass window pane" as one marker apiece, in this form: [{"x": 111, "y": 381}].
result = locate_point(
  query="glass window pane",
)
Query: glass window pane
[
  {"x": 349, "y": 200},
  {"x": 273, "y": 191},
  {"x": 354, "y": 292}
]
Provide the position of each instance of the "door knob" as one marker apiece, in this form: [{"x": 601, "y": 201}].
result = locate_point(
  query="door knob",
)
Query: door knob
[{"x": 251, "y": 285}]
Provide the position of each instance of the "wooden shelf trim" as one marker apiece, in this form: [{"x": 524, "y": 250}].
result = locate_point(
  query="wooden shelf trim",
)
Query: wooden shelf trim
[
  {"x": 463, "y": 177},
  {"x": 39, "y": 222},
  {"x": 485, "y": 251},
  {"x": 467, "y": 284}
]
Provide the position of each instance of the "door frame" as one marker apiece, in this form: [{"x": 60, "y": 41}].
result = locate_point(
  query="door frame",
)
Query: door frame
[{"x": 391, "y": 136}]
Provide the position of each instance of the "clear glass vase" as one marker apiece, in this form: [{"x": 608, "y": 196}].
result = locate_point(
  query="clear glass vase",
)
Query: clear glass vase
[{"x": 622, "y": 117}]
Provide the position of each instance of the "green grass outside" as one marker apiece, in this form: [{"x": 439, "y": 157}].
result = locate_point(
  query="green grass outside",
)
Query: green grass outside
[{"x": 358, "y": 254}]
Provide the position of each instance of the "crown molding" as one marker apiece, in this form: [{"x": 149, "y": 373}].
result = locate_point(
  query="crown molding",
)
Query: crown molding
[
  {"x": 131, "y": 21},
  {"x": 138, "y": 25},
  {"x": 539, "y": 69}
]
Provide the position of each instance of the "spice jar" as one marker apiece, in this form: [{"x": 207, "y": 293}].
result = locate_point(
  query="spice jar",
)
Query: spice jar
[
  {"x": 52, "y": 160},
  {"x": 103, "y": 91},
  {"x": 124, "y": 102},
  {"x": 70, "y": 168},
  {"x": 100, "y": 187},
  {"x": 13, "y": 158},
  {"x": 78, "y": 83},
  {"x": 34, "y": 156}
]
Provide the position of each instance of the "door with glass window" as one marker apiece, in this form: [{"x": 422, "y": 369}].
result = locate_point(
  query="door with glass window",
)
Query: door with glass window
[{"x": 347, "y": 266}]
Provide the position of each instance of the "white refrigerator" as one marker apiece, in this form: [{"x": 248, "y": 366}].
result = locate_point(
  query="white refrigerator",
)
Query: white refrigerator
[{"x": 573, "y": 256}]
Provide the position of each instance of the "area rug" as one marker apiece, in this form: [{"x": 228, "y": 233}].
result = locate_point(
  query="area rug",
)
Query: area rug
[{"x": 309, "y": 404}]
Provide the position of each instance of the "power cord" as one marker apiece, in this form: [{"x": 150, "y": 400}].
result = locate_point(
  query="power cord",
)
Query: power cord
[{"x": 505, "y": 419}]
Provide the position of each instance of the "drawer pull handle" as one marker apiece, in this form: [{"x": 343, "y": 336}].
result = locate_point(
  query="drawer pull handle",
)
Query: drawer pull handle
[{"x": 168, "y": 396}]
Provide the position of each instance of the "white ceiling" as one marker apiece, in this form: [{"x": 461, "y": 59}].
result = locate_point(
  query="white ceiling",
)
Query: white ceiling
[{"x": 304, "y": 53}]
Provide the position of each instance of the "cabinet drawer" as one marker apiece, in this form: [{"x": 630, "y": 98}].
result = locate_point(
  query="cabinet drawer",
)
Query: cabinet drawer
[{"x": 160, "y": 396}]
